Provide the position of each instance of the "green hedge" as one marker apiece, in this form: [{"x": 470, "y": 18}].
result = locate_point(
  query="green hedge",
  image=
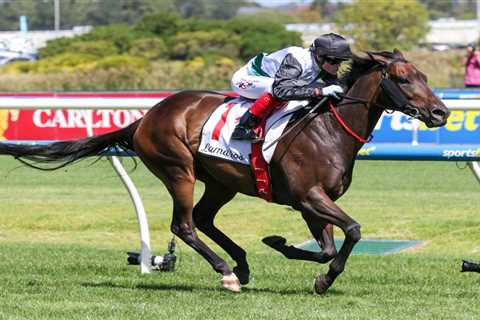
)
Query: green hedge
[
  {"x": 149, "y": 48},
  {"x": 121, "y": 73},
  {"x": 188, "y": 45},
  {"x": 180, "y": 39}
]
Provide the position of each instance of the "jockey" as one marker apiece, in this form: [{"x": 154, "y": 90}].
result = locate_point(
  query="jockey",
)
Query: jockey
[{"x": 293, "y": 73}]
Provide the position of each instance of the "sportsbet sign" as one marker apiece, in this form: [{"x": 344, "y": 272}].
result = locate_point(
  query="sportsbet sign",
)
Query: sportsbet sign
[
  {"x": 463, "y": 127},
  {"x": 406, "y": 151}
]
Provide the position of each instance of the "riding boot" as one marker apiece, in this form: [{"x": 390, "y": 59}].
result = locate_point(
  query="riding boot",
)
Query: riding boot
[
  {"x": 243, "y": 130},
  {"x": 252, "y": 118}
]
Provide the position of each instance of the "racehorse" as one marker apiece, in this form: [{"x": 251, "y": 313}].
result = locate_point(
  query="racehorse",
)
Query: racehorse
[{"x": 310, "y": 169}]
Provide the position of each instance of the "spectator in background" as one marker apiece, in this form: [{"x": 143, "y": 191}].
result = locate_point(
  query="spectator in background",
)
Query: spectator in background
[{"x": 471, "y": 62}]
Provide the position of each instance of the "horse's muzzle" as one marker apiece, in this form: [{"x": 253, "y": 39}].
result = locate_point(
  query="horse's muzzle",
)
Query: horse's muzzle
[
  {"x": 434, "y": 116},
  {"x": 438, "y": 116}
]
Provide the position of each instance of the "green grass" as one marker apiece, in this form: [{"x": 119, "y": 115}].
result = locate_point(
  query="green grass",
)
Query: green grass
[{"x": 64, "y": 237}]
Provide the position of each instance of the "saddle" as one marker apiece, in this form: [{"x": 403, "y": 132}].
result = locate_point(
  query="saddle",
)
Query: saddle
[{"x": 216, "y": 142}]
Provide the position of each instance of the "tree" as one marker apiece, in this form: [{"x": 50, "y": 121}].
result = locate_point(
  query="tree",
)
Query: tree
[
  {"x": 438, "y": 9},
  {"x": 40, "y": 13},
  {"x": 320, "y": 6},
  {"x": 113, "y": 11},
  {"x": 10, "y": 11},
  {"x": 261, "y": 35},
  {"x": 221, "y": 9},
  {"x": 386, "y": 24},
  {"x": 465, "y": 9},
  {"x": 163, "y": 24},
  {"x": 208, "y": 9},
  {"x": 72, "y": 13}
]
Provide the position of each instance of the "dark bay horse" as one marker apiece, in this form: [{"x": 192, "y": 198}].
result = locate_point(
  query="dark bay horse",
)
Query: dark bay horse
[{"x": 311, "y": 167}]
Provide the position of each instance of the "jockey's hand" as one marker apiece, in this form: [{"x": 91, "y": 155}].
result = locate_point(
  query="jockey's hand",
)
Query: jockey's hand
[{"x": 332, "y": 91}]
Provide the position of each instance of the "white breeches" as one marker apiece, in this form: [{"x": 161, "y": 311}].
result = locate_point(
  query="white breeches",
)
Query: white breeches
[{"x": 250, "y": 86}]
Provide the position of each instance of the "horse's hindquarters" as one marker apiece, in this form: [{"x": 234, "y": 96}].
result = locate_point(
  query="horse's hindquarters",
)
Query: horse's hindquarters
[{"x": 234, "y": 176}]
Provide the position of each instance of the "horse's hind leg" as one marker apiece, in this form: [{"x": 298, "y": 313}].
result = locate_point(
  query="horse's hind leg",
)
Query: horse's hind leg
[
  {"x": 183, "y": 226},
  {"x": 204, "y": 212},
  {"x": 180, "y": 181}
]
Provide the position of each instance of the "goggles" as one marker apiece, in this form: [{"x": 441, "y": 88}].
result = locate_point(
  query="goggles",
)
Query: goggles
[{"x": 333, "y": 60}]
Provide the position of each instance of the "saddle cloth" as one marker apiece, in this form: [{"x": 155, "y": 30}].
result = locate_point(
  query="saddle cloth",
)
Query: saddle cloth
[{"x": 218, "y": 129}]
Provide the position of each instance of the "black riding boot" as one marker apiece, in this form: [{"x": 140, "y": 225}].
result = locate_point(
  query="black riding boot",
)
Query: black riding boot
[{"x": 243, "y": 130}]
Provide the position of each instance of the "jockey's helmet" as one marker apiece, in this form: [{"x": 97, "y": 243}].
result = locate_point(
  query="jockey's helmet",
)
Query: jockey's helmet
[{"x": 331, "y": 46}]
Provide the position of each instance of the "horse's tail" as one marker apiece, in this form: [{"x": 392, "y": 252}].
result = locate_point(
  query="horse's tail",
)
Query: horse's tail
[{"x": 60, "y": 154}]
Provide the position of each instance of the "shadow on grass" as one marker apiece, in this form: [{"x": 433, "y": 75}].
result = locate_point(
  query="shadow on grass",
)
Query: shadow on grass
[
  {"x": 298, "y": 292},
  {"x": 165, "y": 287},
  {"x": 190, "y": 288}
]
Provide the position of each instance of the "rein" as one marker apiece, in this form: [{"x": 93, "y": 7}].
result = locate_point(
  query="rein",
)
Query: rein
[
  {"x": 345, "y": 126},
  {"x": 352, "y": 100},
  {"x": 318, "y": 105}
]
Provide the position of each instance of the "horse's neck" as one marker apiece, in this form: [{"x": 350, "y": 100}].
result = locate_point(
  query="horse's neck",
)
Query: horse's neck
[{"x": 360, "y": 117}]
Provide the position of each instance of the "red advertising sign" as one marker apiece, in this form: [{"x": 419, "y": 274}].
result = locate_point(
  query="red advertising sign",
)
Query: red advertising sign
[
  {"x": 65, "y": 124},
  {"x": 53, "y": 124}
]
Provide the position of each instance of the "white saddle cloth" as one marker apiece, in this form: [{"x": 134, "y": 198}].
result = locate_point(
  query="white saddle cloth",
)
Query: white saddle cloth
[{"x": 218, "y": 129}]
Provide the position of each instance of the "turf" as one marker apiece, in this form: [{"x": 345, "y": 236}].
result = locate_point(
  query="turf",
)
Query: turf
[{"x": 64, "y": 237}]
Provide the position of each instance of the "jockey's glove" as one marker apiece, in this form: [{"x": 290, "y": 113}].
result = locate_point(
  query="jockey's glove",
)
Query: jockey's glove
[{"x": 332, "y": 91}]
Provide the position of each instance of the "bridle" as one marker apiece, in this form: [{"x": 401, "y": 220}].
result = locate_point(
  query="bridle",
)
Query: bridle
[{"x": 395, "y": 96}]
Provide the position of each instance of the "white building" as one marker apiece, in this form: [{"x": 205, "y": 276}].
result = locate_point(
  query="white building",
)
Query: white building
[
  {"x": 453, "y": 32},
  {"x": 31, "y": 41}
]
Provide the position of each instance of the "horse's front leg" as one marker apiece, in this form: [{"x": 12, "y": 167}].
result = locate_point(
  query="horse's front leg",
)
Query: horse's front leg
[
  {"x": 323, "y": 234},
  {"x": 319, "y": 207}
]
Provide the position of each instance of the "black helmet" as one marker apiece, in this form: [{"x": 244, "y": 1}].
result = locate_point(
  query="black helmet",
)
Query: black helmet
[{"x": 331, "y": 46}]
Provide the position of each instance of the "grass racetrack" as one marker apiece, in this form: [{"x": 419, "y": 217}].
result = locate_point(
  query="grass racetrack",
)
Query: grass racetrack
[{"x": 64, "y": 237}]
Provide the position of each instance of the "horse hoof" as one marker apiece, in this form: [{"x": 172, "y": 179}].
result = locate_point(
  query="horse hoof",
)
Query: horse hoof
[
  {"x": 243, "y": 276},
  {"x": 320, "y": 285},
  {"x": 231, "y": 282},
  {"x": 275, "y": 242}
]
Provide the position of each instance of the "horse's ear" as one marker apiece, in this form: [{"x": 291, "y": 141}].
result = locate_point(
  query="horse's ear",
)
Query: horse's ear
[
  {"x": 363, "y": 55},
  {"x": 378, "y": 57},
  {"x": 398, "y": 54}
]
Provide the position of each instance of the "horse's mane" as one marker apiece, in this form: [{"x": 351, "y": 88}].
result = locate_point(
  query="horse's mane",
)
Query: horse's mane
[{"x": 361, "y": 64}]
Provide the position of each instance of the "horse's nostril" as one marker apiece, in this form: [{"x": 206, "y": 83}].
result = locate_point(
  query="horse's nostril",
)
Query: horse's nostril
[{"x": 439, "y": 112}]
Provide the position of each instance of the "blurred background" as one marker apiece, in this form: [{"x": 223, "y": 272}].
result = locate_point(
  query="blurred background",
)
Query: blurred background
[{"x": 179, "y": 44}]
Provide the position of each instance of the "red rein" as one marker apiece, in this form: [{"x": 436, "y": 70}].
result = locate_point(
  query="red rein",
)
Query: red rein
[{"x": 345, "y": 126}]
